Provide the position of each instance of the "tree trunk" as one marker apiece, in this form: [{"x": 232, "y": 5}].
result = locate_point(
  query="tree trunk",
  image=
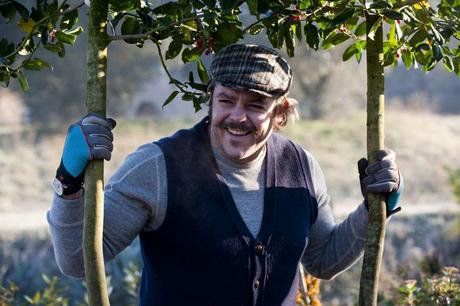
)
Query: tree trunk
[
  {"x": 94, "y": 176},
  {"x": 375, "y": 140}
]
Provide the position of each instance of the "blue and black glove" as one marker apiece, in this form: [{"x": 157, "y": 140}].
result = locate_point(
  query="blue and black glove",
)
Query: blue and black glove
[
  {"x": 88, "y": 139},
  {"x": 382, "y": 177}
]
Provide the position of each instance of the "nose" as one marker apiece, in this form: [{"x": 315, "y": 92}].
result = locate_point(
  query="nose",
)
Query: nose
[{"x": 238, "y": 113}]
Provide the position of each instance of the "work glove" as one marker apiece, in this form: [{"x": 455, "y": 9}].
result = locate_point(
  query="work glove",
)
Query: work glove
[
  {"x": 382, "y": 177},
  {"x": 88, "y": 139}
]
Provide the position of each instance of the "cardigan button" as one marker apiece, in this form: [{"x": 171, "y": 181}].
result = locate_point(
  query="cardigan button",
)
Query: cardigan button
[
  {"x": 257, "y": 284},
  {"x": 260, "y": 249}
]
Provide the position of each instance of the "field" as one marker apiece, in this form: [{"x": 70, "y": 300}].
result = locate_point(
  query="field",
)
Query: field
[{"x": 425, "y": 232}]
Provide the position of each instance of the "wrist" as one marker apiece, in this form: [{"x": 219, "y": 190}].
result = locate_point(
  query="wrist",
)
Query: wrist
[{"x": 65, "y": 184}]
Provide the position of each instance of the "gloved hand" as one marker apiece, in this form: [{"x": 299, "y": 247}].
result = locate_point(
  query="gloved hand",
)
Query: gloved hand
[
  {"x": 88, "y": 139},
  {"x": 383, "y": 177}
]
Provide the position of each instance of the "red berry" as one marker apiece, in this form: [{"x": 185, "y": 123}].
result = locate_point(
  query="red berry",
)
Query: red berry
[{"x": 296, "y": 18}]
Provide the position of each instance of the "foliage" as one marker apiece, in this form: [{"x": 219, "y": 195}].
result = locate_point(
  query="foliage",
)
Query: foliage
[
  {"x": 454, "y": 180},
  {"x": 311, "y": 296},
  {"x": 443, "y": 289},
  {"x": 417, "y": 33}
]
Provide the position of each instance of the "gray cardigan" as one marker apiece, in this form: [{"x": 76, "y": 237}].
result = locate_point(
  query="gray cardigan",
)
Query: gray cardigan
[{"x": 136, "y": 199}]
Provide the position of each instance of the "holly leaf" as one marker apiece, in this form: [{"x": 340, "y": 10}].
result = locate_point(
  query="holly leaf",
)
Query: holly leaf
[
  {"x": 67, "y": 38},
  {"x": 312, "y": 36},
  {"x": 202, "y": 72},
  {"x": 190, "y": 55},
  {"x": 170, "y": 98},
  {"x": 21, "y": 9},
  {"x": 343, "y": 16},
  {"x": 23, "y": 82},
  {"x": 36, "y": 64},
  {"x": 174, "y": 49},
  {"x": 69, "y": 20}
]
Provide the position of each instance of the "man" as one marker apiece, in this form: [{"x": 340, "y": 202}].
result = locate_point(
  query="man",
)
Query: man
[{"x": 226, "y": 210}]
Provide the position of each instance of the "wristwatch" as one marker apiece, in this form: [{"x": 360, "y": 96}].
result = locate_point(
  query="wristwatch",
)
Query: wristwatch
[{"x": 63, "y": 189}]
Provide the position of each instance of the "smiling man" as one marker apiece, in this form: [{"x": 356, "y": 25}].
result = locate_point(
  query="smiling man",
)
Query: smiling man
[{"x": 226, "y": 210}]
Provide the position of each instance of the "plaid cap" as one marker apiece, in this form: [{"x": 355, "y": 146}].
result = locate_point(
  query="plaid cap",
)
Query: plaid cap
[{"x": 252, "y": 67}]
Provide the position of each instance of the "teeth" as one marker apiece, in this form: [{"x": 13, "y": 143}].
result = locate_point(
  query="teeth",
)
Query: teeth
[{"x": 237, "y": 132}]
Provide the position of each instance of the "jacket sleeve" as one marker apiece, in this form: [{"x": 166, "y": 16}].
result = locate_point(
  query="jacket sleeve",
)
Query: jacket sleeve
[
  {"x": 333, "y": 247},
  {"x": 135, "y": 199}
]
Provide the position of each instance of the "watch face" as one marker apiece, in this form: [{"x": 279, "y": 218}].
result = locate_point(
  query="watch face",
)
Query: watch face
[{"x": 57, "y": 185}]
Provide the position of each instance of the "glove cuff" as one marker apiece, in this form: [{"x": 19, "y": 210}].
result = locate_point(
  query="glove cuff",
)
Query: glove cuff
[
  {"x": 389, "y": 212},
  {"x": 70, "y": 184}
]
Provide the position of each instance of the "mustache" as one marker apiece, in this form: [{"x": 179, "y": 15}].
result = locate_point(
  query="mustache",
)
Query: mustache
[{"x": 238, "y": 125}]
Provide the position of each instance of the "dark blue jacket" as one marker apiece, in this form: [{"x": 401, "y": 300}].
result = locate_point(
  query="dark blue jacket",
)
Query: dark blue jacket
[{"x": 203, "y": 254}]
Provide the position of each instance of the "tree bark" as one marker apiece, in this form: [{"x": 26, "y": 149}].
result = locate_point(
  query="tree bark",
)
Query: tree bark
[
  {"x": 94, "y": 176},
  {"x": 375, "y": 140}
]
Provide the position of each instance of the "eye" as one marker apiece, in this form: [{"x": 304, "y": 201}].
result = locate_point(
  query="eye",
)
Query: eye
[
  {"x": 256, "y": 106},
  {"x": 225, "y": 101}
]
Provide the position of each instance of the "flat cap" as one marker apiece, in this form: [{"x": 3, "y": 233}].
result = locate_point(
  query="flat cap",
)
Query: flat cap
[{"x": 252, "y": 67}]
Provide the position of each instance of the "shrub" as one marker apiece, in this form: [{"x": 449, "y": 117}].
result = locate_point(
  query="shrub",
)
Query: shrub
[{"x": 442, "y": 289}]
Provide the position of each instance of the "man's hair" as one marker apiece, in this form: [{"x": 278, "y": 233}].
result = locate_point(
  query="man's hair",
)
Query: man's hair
[{"x": 285, "y": 106}]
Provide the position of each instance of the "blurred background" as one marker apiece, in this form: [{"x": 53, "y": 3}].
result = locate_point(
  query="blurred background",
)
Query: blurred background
[{"x": 422, "y": 125}]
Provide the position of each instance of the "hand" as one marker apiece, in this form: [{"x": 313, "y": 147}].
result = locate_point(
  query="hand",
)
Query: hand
[
  {"x": 382, "y": 177},
  {"x": 88, "y": 139}
]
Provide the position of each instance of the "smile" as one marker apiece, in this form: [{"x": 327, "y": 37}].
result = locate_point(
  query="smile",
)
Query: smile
[{"x": 238, "y": 132}]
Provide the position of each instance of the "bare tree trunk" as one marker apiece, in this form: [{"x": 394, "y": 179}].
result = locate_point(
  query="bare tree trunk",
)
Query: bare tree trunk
[
  {"x": 375, "y": 140},
  {"x": 94, "y": 176}
]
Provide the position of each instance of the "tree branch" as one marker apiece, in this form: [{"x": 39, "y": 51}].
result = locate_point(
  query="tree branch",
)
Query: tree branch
[
  {"x": 147, "y": 34},
  {"x": 171, "y": 79}
]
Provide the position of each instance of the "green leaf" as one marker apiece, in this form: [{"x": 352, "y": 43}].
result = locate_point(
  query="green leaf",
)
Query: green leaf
[
  {"x": 312, "y": 36},
  {"x": 8, "y": 11},
  {"x": 197, "y": 103},
  {"x": 228, "y": 4},
  {"x": 131, "y": 26},
  {"x": 419, "y": 36},
  {"x": 407, "y": 58},
  {"x": 170, "y": 98},
  {"x": 227, "y": 33},
  {"x": 448, "y": 63},
  {"x": 343, "y": 16},
  {"x": 4, "y": 46},
  {"x": 202, "y": 72},
  {"x": 55, "y": 49},
  {"x": 174, "y": 49},
  {"x": 35, "y": 64},
  {"x": 252, "y": 4},
  {"x": 256, "y": 29},
  {"x": 393, "y": 15},
  {"x": 422, "y": 46},
  {"x": 66, "y": 38},
  {"x": 190, "y": 55},
  {"x": 23, "y": 82},
  {"x": 69, "y": 20},
  {"x": 297, "y": 29},
  {"x": 349, "y": 52},
  {"x": 21, "y": 9},
  {"x": 361, "y": 29},
  {"x": 290, "y": 44},
  {"x": 334, "y": 40},
  {"x": 437, "y": 52},
  {"x": 392, "y": 39},
  {"x": 380, "y": 5},
  {"x": 125, "y": 5},
  {"x": 188, "y": 96},
  {"x": 4, "y": 78},
  {"x": 76, "y": 31}
]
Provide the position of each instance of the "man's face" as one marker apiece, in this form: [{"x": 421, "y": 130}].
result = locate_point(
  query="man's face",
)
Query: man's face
[{"x": 241, "y": 122}]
